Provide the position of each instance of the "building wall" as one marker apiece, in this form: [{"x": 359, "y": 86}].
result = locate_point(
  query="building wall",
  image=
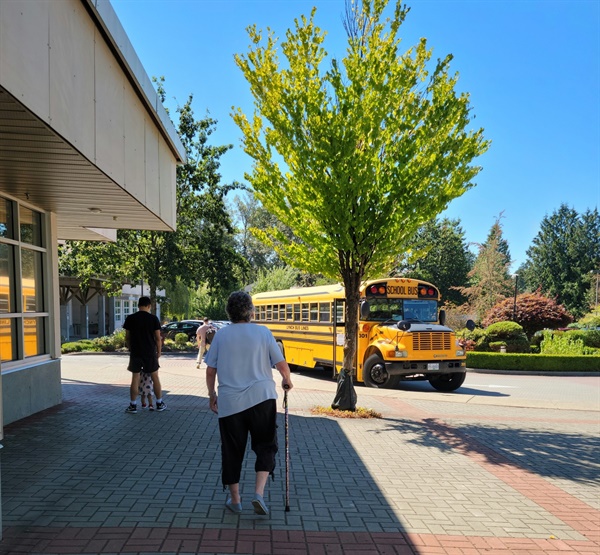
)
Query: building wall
[
  {"x": 55, "y": 60},
  {"x": 31, "y": 389}
]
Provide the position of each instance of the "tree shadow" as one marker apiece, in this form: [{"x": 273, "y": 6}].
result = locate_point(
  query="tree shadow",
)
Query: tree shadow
[
  {"x": 87, "y": 461},
  {"x": 549, "y": 454},
  {"x": 88, "y": 457}
]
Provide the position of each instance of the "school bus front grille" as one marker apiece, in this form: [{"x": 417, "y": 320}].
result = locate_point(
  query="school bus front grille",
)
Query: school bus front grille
[{"x": 431, "y": 341}]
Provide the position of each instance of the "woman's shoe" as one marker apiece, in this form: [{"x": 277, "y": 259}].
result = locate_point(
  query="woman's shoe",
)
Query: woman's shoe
[
  {"x": 259, "y": 505},
  {"x": 235, "y": 508}
]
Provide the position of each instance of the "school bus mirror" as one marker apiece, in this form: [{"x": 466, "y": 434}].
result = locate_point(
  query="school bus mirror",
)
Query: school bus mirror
[
  {"x": 443, "y": 317},
  {"x": 365, "y": 310},
  {"x": 403, "y": 325},
  {"x": 470, "y": 325}
]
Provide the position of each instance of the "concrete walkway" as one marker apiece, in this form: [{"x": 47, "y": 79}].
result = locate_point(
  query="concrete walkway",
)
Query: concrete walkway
[{"x": 476, "y": 471}]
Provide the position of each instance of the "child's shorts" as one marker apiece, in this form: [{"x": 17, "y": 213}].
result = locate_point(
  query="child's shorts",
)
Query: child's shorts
[{"x": 146, "y": 384}]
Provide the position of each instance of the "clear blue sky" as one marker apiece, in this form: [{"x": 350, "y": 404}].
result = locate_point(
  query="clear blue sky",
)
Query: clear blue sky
[{"x": 532, "y": 69}]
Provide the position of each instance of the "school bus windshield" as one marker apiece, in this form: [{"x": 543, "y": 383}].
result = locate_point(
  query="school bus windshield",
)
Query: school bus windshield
[{"x": 395, "y": 310}]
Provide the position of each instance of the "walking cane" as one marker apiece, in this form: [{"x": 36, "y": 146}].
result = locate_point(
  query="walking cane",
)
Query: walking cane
[{"x": 287, "y": 451}]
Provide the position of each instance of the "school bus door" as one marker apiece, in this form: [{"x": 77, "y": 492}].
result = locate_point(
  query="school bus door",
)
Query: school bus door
[{"x": 339, "y": 330}]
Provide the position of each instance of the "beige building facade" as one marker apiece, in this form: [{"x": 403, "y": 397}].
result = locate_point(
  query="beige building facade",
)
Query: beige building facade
[{"x": 86, "y": 148}]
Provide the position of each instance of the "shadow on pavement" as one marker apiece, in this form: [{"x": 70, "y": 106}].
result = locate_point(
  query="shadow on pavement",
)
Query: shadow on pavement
[
  {"x": 565, "y": 455},
  {"x": 88, "y": 463}
]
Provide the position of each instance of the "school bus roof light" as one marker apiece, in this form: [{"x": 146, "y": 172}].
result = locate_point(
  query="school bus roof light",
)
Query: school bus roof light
[
  {"x": 425, "y": 291},
  {"x": 377, "y": 289}
]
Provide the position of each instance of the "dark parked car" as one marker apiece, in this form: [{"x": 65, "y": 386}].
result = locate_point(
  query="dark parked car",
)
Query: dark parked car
[{"x": 189, "y": 327}]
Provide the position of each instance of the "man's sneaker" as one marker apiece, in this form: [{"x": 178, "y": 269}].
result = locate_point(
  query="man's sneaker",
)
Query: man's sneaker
[
  {"x": 131, "y": 408},
  {"x": 161, "y": 406},
  {"x": 150, "y": 407}
]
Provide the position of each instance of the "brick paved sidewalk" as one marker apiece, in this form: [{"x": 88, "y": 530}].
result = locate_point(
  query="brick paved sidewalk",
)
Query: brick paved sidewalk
[{"x": 431, "y": 476}]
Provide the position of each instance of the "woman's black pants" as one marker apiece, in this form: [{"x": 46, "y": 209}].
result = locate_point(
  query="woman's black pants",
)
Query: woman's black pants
[{"x": 260, "y": 421}]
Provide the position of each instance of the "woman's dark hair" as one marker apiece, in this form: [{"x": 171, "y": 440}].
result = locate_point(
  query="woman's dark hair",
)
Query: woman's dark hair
[{"x": 239, "y": 306}]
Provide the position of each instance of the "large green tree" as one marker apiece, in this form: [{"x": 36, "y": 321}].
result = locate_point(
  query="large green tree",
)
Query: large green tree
[
  {"x": 353, "y": 158},
  {"x": 202, "y": 248},
  {"x": 564, "y": 256},
  {"x": 250, "y": 214},
  {"x": 489, "y": 279},
  {"x": 440, "y": 254}
]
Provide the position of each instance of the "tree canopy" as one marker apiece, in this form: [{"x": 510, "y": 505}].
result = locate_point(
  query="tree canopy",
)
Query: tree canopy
[
  {"x": 442, "y": 257},
  {"x": 564, "y": 257},
  {"x": 353, "y": 158},
  {"x": 200, "y": 250},
  {"x": 489, "y": 280}
]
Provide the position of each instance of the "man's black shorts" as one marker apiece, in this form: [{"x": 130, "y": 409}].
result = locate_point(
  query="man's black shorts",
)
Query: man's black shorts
[{"x": 139, "y": 364}]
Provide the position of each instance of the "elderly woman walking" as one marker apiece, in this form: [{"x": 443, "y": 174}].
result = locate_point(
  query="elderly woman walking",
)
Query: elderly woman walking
[{"x": 241, "y": 357}]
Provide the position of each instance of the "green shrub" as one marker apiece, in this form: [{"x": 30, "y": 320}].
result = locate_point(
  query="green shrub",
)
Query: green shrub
[
  {"x": 560, "y": 345},
  {"x": 111, "y": 343},
  {"x": 118, "y": 339},
  {"x": 72, "y": 347},
  {"x": 181, "y": 339},
  {"x": 80, "y": 346},
  {"x": 590, "y": 338},
  {"x": 511, "y": 334},
  {"x": 590, "y": 320},
  {"x": 474, "y": 340},
  {"x": 575, "y": 342},
  {"x": 534, "y": 363},
  {"x": 496, "y": 346}
]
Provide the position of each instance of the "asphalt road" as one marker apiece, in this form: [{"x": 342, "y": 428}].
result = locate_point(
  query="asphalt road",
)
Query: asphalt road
[{"x": 572, "y": 392}]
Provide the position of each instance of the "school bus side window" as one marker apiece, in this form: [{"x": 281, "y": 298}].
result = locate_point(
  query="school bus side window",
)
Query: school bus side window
[
  {"x": 314, "y": 312},
  {"x": 324, "y": 312},
  {"x": 297, "y": 312},
  {"x": 289, "y": 312},
  {"x": 339, "y": 317}
]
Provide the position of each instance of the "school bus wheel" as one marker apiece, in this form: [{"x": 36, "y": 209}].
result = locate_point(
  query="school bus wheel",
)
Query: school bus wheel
[
  {"x": 374, "y": 372},
  {"x": 448, "y": 382}
]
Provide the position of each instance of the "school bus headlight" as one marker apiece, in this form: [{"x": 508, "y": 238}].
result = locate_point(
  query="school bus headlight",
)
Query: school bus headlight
[
  {"x": 460, "y": 353},
  {"x": 401, "y": 354}
]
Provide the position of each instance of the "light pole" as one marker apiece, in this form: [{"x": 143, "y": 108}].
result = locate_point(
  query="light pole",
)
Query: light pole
[
  {"x": 516, "y": 276},
  {"x": 597, "y": 274}
]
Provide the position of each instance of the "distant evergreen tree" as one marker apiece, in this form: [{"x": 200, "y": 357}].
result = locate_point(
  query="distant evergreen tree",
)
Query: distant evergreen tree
[
  {"x": 490, "y": 281},
  {"x": 564, "y": 255},
  {"x": 442, "y": 257}
]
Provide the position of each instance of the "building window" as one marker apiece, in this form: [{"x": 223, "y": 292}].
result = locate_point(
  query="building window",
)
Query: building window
[
  {"x": 6, "y": 219},
  {"x": 30, "y": 226},
  {"x": 24, "y": 326}
]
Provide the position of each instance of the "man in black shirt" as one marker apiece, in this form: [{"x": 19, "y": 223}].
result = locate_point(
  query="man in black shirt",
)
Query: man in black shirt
[{"x": 142, "y": 335}]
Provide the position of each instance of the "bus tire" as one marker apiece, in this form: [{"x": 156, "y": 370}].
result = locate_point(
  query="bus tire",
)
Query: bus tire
[
  {"x": 374, "y": 372},
  {"x": 448, "y": 382}
]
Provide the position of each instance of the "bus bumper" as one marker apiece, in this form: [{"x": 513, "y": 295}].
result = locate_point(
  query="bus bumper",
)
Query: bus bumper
[{"x": 425, "y": 367}]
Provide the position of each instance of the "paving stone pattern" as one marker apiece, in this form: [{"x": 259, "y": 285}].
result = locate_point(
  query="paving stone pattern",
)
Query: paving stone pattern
[{"x": 430, "y": 476}]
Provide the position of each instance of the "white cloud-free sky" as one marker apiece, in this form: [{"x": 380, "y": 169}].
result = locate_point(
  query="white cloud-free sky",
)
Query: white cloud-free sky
[{"x": 532, "y": 69}]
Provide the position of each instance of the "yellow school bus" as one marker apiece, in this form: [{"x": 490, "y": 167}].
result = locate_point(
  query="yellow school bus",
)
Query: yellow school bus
[{"x": 401, "y": 332}]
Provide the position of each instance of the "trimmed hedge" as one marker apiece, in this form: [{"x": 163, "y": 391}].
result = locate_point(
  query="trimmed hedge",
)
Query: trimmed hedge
[{"x": 532, "y": 362}]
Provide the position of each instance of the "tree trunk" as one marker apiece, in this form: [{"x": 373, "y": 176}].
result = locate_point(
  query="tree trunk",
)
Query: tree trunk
[{"x": 345, "y": 397}]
